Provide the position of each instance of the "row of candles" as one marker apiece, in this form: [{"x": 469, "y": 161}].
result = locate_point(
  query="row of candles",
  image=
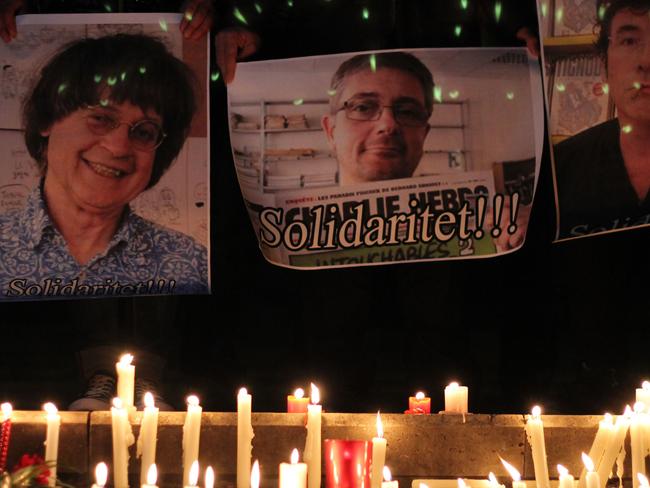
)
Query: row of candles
[{"x": 607, "y": 448}]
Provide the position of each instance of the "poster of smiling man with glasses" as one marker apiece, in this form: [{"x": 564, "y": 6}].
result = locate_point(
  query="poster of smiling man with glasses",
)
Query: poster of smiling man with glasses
[
  {"x": 389, "y": 156},
  {"x": 98, "y": 181}
]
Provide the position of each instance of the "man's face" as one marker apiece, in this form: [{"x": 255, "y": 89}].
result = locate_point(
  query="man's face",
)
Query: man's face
[
  {"x": 98, "y": 173},
  {"x": 382, "y": 149},
  {"x": 628, "y": 65}
]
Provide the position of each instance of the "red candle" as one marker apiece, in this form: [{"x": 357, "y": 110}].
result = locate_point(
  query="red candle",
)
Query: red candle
[
  {"x": 5, "y": 434},
  {"x": 419, "y": 404},
  {"x": 347, "y": 463},
  {"x": 297, "y": 403}
]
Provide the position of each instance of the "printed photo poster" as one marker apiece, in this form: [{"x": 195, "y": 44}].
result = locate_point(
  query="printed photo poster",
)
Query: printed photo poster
[
  {"x": 599, "y": 102},
  {"x": 390, "y": 156},
  {"x": 104, "y": 181}
]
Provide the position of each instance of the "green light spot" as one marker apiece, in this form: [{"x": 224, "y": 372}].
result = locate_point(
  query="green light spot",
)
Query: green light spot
[
  {"x": 497, "y": 11},
  {"x": 62, "y": 87},
  {"x": 458, "y": 30},
  {"x": 188, "y": 16},
  {"x": 108, "y": 8},
  {"x": 123, "y": 76},
  {"x": 290, "y": 3},
  {"x": 298, "y": 101},
  {"x": 215, "y": 76},
  {"x": 510, "y": 95},
  {"x": 437, "y": 94},
  {"x": 239, "y": 16},
  {"x": 601, "y": 12},
  {"x": 142, "y": 70},
  {"x": 544, "y": 9},
  {"x": 637, "y": 85},
  {"x": 559, "y": 14},
  {"x": 331, "y": 92},
  {"x": 463, "y": 4},
  {"x": 365, "y": 14},
  {"x": 111, "y": 80},
  {"x": 454, "y": 94},
  {"x": 163, "y": 25},
  {"x": 560, "y": 87},
  {"x": 627, "y": 128},
  {"x": 605, "y": 88},
  {"x": 258, "y": 8},
  {"x": 373, "y": 63},
  {"x": 97, "y": 78},
  {"x": 104, "y": 102}
]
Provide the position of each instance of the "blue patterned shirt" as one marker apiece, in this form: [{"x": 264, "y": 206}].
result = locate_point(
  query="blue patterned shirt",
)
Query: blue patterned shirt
[{"x": 143, "y": 258}]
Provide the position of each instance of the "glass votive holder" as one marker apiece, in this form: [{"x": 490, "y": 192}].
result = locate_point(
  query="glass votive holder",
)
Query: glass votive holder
[{"x": 347, "y": 463}]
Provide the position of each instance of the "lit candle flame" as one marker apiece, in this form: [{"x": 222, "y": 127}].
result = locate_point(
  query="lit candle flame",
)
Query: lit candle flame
[
  {"x": 562, "y": 470},
  {"x": 639, "y": 407},
  {"x": 419, "y": 395},
  {"x": 380, "y": 427},
  {"x": 101, "y": 474},
  {"x": 117, "y": 402},
  {"x": 6, "y": 410},
  {"x": 515, "y": 475},
  {"x": 294, "y": 456},
  {"x": 536, "y": 412},
  {"x": 152, "y": 475},
  {"x": 643, "y": 480},
  {"x": 589, "y": 464},
  {"x": 387, "y": 475},
  {"x": 423, "y": 485},
  {"x": 453, "y": 386},
  {"x": 148, "y": 400},
  {"x": 462, "y": 484},
  {"x": 192, "y": 401},
  {"x": 50, "y": 409},
  {"x": 315, "y": 394},
  {"x": 255, "y": 475},
  {"x": 209, "y": 477},
  {"x": 646, "y": 385},
  {"x": 194, "y": 474},
  {"x": 493, "y": 479},
  {"x": 299, "y": 393},
  {"x": 608, "y": 418},
  {"x": 126, "y": 359},
  {"x": 628, "y": 411},
  {"x": 242, "y": 392}
]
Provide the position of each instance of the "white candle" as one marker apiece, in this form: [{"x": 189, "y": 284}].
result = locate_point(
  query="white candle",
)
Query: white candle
[
  {"x": 378, "y": 455},
  {"x": 191, "y": 436},
  {"x": 125, "y": 380},
  {"x": 244, "y": 438},
  {"x": 494, "y": 483},
  {"x": 615, "y": 445},
  {"x": 388, "y": 479},
  {"x": 592, "y": 480},
  {"x": 605, "y": 432},
  {"x": 514, "y": 473},
  {"x": 293, "y": 475},
  {"x": 52, "y": 440},
  {"x": 643, "y": 394},
  {"x": 152, "y": 477},
  {"x": 566, "y": 480},
  {"x": 456, "y": 398},
  {"x": 313, "y": 442},
  {"x": 101, "y": 475},
  {"x": 193, "y": 475},
  {"x": 637, "y": 430},
  {"x": 146, "y": 447},
  {"x": 535, "y": 436},
  {"x": 255, "y": 475},
  {"x": 208, "y": 480},
  {"x": 120, "y": 425}
]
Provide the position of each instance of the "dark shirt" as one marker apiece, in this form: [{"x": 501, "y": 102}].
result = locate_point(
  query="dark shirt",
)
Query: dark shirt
[{"x": 594, "y": 190}]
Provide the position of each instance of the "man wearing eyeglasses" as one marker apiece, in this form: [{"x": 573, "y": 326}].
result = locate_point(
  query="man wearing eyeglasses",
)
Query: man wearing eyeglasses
[
  {"x": 603, "y": 173},
  {"x": 106, "y": 119},
  {"x": 379, "y": 114}
]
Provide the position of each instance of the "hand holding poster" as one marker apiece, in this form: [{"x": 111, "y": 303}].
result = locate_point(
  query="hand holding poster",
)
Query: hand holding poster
[{"x": 352, "y": 159}]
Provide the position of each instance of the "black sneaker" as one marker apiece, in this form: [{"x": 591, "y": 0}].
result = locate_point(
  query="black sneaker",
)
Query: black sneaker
[
  {"x": 99, "y": 394},
  {"x": 143, "y": 386}
]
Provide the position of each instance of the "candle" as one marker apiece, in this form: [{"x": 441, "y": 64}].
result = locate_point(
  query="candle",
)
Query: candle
[
  {"x": 566, "y": 480},
  {"x": 514, "y": 474},
  {"x": 297, "y": 403},
  {"x": 312, "y": 451},
  {"x": 419, "y": 403},
  {"x": 592, "y": 480},
  {"x": 146, "y": 447},
  {"x": 643, "y": 394},
  {"x": 125, "y": 380},
  {"x": 120, "y": 428},
  {"x": 378, "y": 455},
  {"x": 52, "y": 440},
  {"x": 209, "y": 478},
  {"x": 191, "y": 437},
  {"x": 151, "y": 477},
  {"x": 293, "y": 475},
  {"x": 193, "y": 475},
  {"x": 456, "y": 398},
  {"x": 388, "y": 479},
  {"x": 638, "y": 427},
  {"x": 615, "y": 445},
  {"x": 494, "y": 483},
  {"x": 643, "y": 480},
  {"x": 244, "y": 438},
  {"x": 5, "y": 434},
  {"x": 535, "y": 436},
  {"x": 347, "y": 463},
  {"x": 101, "y": 475},
  {"x": 255, "y": 475},
  {"x": 604, "y": 434},
  {"x": 462, "y": 484}
]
